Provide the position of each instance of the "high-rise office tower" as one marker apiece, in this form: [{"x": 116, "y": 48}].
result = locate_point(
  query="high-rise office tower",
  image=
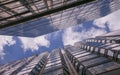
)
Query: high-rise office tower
[
  {"x": 93, "y": 56},
  {"x": 32, "y": 65},
  {"x": 58, "y": 64},
  {"x": 54, "y": 64}
]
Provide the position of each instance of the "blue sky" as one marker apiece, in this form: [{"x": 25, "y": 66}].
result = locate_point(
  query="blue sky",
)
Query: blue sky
[{"x": 14, "y": 47}]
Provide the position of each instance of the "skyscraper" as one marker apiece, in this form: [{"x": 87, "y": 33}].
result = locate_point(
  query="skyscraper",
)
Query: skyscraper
[
  {"x": 32, "y": 65},
  {"x": 93, "y": 56}
]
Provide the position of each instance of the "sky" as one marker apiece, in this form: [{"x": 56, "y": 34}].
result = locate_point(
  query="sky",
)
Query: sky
[{"x": 14, "y": 47}]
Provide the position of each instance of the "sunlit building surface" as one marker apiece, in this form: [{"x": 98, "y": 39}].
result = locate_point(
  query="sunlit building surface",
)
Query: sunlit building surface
[
  {"x": 33, "y": 18},
  {"x": 93, "y": 56}
]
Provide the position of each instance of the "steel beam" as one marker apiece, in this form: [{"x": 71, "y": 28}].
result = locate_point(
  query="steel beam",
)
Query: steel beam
[
  {"x": 18, "y": 14},
  {"x": 26, "y": 4},
  {"x": 47, "y": 12},
  {"x": 9, "y": 10}
]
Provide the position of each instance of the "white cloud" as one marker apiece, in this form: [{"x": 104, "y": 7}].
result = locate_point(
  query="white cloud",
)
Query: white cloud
[
  {"x": 92, "y": 33},
  {"x": 34, "y": 43},
  {"x": 70, "y": 37},
  {"x": 111, "y": 19},
  {"x": 5, "y": 40}
]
